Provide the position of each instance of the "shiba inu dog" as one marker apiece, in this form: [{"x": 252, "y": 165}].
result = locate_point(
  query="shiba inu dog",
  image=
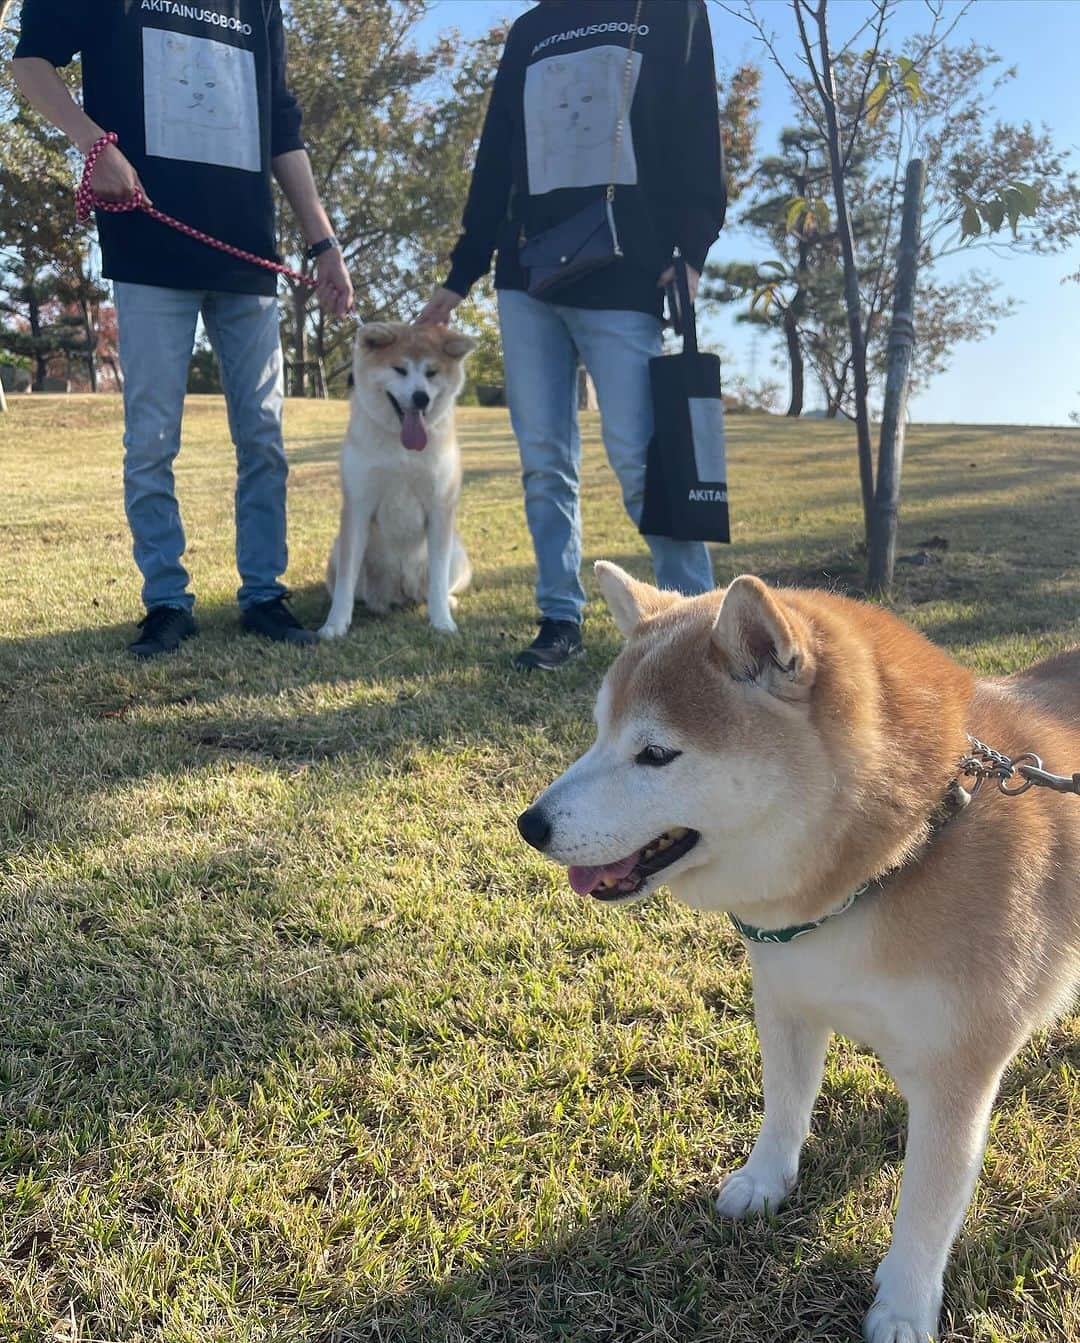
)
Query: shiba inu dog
[
  {"x": 400, "y": 476},
  {"x": 792, "y": 757}
]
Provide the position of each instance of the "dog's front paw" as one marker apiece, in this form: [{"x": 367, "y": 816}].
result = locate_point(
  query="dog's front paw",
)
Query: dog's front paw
[
  {"x": 753, "y": 1189},
  {"x": 905, "y": 1309},
  {"x": 334, "y": 629},
  {"x": 895, "y": 1322},
  {"x": 444, "y": 624}
]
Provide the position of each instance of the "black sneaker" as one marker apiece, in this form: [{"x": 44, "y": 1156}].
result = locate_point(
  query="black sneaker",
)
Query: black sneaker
[
  {"x": 164, "y": 628},
  {"x": 557, "y": 643},
  {"x": 274, "y": 620}
]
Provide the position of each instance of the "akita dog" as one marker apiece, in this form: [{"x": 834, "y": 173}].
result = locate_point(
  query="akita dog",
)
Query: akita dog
[
  {"x": 792, "y": 757},
  {"x": 400, "y": 477}
]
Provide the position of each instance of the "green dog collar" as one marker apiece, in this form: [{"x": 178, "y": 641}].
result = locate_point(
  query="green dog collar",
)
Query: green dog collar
[
  {"x": 789, "y": 934},
  {"x": 955, "y": 799}
]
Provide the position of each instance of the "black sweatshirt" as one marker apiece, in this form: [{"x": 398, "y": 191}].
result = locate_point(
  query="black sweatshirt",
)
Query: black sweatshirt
[
  {"x": 197, "y": 94},
  {"x": 547, "y": 146}
]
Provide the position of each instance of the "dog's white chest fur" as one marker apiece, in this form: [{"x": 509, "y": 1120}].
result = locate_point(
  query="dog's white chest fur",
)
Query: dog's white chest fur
[{"x": 829, "y": 977}]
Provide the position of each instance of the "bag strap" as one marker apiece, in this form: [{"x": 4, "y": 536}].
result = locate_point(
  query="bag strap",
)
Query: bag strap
[
  {"x": 624, "y": 106},
  {"x": 687, "y": 316}
]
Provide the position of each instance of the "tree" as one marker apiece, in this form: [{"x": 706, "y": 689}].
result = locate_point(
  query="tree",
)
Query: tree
[
  {"x": 391, "y": 130},
  {"x": 740, "y": 96},
  {"x": 478, "y": 316},
  {"x": 799, "y": 293},
  {"x": 788, "y": 209},
  {"x": 869, "y": 112},
  {"x": 48, "y": 286}
]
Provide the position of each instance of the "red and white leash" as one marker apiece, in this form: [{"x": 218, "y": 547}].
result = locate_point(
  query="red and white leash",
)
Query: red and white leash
[{"x": 87, "y": 200}]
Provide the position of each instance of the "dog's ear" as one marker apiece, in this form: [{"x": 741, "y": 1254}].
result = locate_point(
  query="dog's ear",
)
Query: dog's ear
[
  {"x": 456, "y": 344},
  {"x": 376, "y": 336},
  {"x": 629, "y": 601},
  {"x": 762, "y": 640}
]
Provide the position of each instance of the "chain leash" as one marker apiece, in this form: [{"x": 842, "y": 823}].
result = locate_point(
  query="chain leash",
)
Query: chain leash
[{"x": 984, "y": 763}]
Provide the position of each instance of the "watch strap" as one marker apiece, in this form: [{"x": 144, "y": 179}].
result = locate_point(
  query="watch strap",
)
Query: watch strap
[{"x": 324, "y": 245}]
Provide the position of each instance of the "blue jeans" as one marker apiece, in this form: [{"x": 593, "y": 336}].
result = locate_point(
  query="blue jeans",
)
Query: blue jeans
[
  {"x": 541, "y": 344},
  {"x": 157, "y": 333}
]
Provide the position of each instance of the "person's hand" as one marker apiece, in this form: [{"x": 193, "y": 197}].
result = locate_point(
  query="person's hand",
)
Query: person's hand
[
  {"x": 334, "y": 290},
  {"x": 114, "y": 179},
  {"x": 693, "y": 277},
  {"x": 438, "y": 308}
]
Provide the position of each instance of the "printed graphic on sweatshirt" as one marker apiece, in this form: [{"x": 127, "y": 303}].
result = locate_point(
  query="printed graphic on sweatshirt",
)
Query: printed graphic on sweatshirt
[
  {"x": 200, "y": 100},
  {"x": 572, "y": 106}
]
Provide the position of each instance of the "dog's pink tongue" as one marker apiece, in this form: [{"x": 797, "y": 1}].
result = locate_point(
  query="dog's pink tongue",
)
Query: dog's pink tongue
[
  {"x": 584, "y": 880},
  {"x": 413, "y": 431}
]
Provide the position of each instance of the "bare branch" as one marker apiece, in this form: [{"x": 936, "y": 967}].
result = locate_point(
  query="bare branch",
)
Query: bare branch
[
  {"x": 934, "y": 38},
  {"x": 798, "y": 6},
  {"x": 882, "y": 7},
  {"x": 749, "y": 15}
]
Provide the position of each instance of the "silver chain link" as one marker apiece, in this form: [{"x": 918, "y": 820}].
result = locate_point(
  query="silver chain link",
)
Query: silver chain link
[
  {"x": 985, "y": 763},
  {"x": 624, "y": 106}
]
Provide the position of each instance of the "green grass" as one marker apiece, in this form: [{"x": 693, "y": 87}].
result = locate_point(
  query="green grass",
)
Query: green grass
[{"x": 298, "y": 1042}]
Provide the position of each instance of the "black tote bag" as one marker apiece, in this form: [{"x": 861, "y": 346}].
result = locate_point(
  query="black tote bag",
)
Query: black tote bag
[{"x": 686, "y": 469}]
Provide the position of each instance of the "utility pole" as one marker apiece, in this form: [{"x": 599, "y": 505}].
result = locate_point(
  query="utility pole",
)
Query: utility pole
[{"x": 894, "y": 414}]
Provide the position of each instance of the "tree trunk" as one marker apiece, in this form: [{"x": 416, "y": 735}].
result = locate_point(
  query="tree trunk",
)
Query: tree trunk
[
  {"x": 883, "y": 521},
  {"x": 852, "y": 298},
  {"x": 41, "y": 366},
  {"x": 299, "y": 298},
  {"x": 91, "y": 343},
  {"x": 795, "y": 359}
]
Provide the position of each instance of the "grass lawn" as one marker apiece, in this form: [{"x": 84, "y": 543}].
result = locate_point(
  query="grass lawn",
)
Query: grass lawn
[{"x": 299, "y": 1042}]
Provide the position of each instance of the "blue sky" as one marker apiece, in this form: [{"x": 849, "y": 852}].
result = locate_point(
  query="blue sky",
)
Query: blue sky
[{"x": 1028, "y": 372}]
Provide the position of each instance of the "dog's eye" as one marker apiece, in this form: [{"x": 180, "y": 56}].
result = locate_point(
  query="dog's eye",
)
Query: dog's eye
[
  {"x": 431, "y": 372},
  {"x": 402, "y": 371},
  {"x": 656, "y": 756}
]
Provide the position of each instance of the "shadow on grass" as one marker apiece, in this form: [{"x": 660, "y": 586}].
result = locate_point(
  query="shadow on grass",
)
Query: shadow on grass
[
  {"x": 666, "y": 1267},
  {"x": 184, "y": 982},
  {"x": 665, "y": 1270}
]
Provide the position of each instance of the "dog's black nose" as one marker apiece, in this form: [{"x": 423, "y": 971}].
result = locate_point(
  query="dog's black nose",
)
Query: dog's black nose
[
  {"x": 421, "y": 400},
  {"x": 535, "y": 828}
]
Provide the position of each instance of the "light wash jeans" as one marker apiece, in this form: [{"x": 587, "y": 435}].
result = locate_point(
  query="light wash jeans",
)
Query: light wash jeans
[
  {"x": 157, "y": 333},
  {"x": 541, "y": 344}
]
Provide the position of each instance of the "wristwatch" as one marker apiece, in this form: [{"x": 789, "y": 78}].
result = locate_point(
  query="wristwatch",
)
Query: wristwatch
[{"x": 318, "y": 248}]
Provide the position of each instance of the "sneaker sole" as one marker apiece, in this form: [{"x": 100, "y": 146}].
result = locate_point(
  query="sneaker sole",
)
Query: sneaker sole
[
  {"x": 522, "y": 666},
  {"x": 160, "y": 652},
  {"x": 296, "y": 643}
]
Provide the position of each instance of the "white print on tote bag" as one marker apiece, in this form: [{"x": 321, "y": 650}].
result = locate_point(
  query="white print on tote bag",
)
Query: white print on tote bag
[
  {"x": 200, "y": 100},
  {"x": 707, "y": 430},
  {"x": 572, "y": 105}
]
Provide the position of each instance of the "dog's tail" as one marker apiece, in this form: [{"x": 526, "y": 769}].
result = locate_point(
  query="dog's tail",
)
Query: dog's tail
[{"x": 460, "y": 568}]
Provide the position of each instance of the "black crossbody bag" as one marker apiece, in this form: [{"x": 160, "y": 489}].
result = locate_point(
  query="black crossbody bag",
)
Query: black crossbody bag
[{"x": 589, "y": 239}]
